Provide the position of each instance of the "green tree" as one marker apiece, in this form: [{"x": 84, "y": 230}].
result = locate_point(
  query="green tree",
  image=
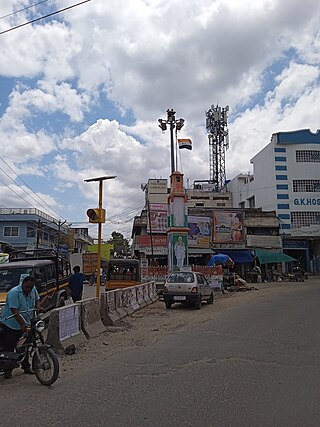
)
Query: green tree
[{"x": 121, "y": 245}]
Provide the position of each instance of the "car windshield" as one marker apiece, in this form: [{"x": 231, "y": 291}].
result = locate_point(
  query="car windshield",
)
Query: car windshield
[
  {"x": 11, "y": 277},
  {"x": 181, "y": 277}
]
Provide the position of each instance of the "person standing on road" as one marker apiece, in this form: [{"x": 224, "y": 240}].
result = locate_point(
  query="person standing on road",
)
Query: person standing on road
[
  {"x": 22, "y": 298},
  {"x": 76, "y": 284}
]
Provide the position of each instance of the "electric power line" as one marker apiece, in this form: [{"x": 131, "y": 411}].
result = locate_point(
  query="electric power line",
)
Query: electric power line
[
  {"x": 45, "y": 203},
  {"x": 21, "y": 10},
  {"x": 44, "y": 16}
]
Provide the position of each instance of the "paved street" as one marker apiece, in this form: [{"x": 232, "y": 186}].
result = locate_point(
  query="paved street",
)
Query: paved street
[{"x": 254, "y": 364}]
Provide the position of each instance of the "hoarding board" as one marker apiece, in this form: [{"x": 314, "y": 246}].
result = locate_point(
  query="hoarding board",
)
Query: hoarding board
[
  {"x": 157, "y": 186},
  {"x": 158, "y": 217},
  {"x": 227, "y": 227},
  {"x": 199, "y": 231}
]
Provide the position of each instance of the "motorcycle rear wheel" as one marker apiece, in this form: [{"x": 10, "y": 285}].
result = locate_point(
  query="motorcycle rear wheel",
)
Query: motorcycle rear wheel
[{"x": 46, "y": 368}]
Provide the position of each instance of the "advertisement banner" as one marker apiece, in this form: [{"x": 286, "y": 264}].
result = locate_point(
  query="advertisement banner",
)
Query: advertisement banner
[
  {"x": 227, "y": 227},
  {"x": 199, "y": 231},
  {"x": 177, "y": 251},
  {"x": 159, "y": 244},
  {"x": 158, "y": 217}
]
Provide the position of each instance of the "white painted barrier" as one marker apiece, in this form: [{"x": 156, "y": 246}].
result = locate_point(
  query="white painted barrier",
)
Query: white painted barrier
[
  {"x": 65, "y": 328},
  {"x": 91, "y": 323},
  {"x": 109, "y": 314}
]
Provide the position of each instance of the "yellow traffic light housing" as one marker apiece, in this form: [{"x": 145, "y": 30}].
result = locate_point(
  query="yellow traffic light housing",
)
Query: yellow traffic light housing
[{"x": 97, "y": 215}]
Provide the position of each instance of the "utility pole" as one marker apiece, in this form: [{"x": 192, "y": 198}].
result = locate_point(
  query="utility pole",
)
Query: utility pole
[
  {"x": 59, "y": 225},
  {"x": 97, "y": 216}
]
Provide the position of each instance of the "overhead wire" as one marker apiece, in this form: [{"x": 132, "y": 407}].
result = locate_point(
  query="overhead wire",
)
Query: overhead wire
[
  {"x": 23, "y": 9},
  {"x": 43, "y": 17},
  {"x": 40, "y": 198}
]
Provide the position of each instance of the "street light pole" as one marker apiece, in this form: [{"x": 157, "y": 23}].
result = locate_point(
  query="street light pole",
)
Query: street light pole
[
  {"x": 100, "y": 180},
  {"x": 172, "y": 123}
]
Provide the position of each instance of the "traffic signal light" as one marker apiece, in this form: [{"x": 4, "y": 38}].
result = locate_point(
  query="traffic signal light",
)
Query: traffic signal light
[{"x": 97, "y": 215}]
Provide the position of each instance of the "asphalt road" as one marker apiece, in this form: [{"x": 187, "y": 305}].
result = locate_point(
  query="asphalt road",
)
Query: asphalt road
[{"x": 257, "y": 364}]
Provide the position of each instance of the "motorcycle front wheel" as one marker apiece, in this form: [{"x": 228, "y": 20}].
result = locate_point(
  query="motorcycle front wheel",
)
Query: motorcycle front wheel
[{"x": 46, "y": 366}]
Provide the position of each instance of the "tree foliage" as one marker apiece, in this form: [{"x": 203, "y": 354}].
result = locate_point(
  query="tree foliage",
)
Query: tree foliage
[{"x": 121, "y": 245}]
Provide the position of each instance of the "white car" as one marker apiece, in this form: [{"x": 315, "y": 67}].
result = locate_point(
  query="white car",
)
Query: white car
[{"x": 187, "y": 287}]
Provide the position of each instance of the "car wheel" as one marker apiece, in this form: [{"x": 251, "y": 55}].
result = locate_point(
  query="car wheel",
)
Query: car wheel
[
  {"x": 168, "y": 304},
  {"x": 210, "y": 300}
]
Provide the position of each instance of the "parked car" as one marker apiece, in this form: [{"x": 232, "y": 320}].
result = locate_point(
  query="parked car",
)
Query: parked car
[{"x": 187, "y": 287}]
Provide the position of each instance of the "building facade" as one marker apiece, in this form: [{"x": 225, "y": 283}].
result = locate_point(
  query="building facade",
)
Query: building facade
[
  {"x": 286, "y": 179},
  {"x": 29, "y": 228},
  {"x": 213, "y": 226}
]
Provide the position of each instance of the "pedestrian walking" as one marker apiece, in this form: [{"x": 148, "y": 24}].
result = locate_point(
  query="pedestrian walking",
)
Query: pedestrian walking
[{"x": 76, "y": 284}]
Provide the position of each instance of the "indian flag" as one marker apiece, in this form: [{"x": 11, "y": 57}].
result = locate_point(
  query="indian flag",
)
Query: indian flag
[{"x": 185, "y": 143}]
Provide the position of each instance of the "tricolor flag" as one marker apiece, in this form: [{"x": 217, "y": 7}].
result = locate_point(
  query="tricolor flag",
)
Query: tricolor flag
[{"x": 185, "y": 143}]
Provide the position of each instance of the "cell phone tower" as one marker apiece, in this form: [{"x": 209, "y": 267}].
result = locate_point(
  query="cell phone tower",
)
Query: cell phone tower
[{"x": 217, "y": 128}]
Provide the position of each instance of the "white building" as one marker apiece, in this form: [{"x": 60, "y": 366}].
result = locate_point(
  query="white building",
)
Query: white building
[{"x": 286, "y": 178}]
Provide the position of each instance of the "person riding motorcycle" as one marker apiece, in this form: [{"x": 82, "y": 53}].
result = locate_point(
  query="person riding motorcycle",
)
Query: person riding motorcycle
[{"x": 23, "y": 297}]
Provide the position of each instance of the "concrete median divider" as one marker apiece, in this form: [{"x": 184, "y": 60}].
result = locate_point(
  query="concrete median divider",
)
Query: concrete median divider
[
  {"x": 153, "y": 292},
  {"x": 91, "y": 323},
  {"x": 108, "y": 312},
  {"x": 146, "y": 296},
  {"x": 133, "y": 300},
  {"x": 140, "y": 299},
  {"x": 64, "y": 328}
]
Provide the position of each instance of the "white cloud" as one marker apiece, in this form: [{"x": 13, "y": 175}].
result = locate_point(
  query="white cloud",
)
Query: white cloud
[{"x": 260, "y": 58}]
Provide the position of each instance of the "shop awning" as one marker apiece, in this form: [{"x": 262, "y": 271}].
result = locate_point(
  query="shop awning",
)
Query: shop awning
[
  {"x": 200, "y": 251},
  {"x": 269, "y": 257},
  {"x": 238, "y": 256}
]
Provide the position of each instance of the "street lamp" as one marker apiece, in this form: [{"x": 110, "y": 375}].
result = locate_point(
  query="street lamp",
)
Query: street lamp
[
  {"x": 172, "y": 122},
  {"x": 98, "y": 216}
]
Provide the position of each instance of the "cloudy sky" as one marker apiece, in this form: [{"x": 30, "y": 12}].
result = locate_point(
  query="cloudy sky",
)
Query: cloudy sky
[{"x": 81, "y": 93}]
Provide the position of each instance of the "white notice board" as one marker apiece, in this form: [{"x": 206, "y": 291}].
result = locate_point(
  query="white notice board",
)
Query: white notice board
[{"x": 68, "y": 322}]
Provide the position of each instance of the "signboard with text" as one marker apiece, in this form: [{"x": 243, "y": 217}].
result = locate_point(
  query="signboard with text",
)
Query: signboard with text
[{"x": 158, "y": 217}]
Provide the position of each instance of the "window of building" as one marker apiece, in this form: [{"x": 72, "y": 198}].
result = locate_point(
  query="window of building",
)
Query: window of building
[
  {"x": 282, "y": 187},
  {"x": 283, "y": 206},
  {"x": 10, "y": 231},
  {"x": 308, "y": 156},
  {"x": 306, "y": 185},
  {"x": 283, "y": 196},
  {"x": 31, "y": 232},
  {"x": 280, "y": 159},
  {"x": 284, "y": 216},
  {"x": 281, "y": 168},
  {"x": 281, "y": 177},
  {"x": 280, "y": 150},
  {"x": 252, "y": 202},
  {"x": 285, "y": 226},
  {"x": 304, "y": 219}
]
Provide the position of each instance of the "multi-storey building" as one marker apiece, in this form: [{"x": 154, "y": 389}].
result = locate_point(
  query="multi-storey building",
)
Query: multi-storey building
[
  {"x": 29, "y": 228},
  {"x": 286, "y": 179}
]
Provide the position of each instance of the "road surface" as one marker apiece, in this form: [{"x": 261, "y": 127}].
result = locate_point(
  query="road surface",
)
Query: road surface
[{"x": 247, "y": 360}]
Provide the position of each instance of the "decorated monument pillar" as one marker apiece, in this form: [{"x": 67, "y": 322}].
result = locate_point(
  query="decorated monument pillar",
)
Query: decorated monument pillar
[{"x": 177, "y": 225}]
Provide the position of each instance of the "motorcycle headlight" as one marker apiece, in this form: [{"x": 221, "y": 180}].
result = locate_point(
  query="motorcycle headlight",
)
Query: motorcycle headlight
[{"x": 40, "y": 326}]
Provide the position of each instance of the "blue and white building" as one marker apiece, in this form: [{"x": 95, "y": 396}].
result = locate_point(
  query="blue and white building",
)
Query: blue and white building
[{"x": 286, "y": 178}]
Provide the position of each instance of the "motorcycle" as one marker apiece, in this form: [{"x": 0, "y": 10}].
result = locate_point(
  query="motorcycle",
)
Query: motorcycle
[{"x": 45, "y": 363}]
